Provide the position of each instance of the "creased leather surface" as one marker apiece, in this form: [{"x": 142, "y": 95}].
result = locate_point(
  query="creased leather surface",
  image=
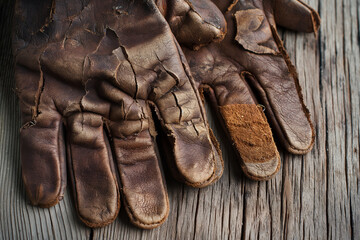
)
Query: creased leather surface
[
  {"x": 87, "y": 75},
  {"x": 250, "y": 66}
]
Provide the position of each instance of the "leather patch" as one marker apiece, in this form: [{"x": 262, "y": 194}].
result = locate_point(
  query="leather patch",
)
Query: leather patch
[
  {"x": 254, "y": 32},
  {"x": 253, "y": 140}
]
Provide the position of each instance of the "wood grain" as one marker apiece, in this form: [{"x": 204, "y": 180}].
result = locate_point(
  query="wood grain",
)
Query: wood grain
[{"x": 315, "y": 196}]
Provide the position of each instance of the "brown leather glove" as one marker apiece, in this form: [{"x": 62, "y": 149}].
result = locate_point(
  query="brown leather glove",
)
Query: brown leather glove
[
  {"x": 250, "y": 67},
  {"x": 88, "y": 75}
]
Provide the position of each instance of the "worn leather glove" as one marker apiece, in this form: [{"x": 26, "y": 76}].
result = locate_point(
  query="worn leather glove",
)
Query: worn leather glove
[
  {"x": 88, "y": 75},
  {"x": 251, "y": 67}
]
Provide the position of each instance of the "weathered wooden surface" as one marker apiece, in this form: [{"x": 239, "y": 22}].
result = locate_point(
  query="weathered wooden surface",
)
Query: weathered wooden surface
[{"x": 316, "y": 196}]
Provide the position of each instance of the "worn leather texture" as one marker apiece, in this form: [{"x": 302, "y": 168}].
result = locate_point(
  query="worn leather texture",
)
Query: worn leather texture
[
  {"x": 251, "y": 68},
  {"x": 90, "y": 76},
  {"x": 195, "y": 23}
]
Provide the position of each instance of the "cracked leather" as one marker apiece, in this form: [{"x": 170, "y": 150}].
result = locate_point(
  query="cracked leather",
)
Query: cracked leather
[
  {"x": 89, "y": 74},
  {"x": 251, "y": 68}
]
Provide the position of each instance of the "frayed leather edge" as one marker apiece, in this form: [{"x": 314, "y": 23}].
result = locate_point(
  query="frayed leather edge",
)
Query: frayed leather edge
[
  {"x": 294, "y": 74},
  {"x": 314, "y": 17}
]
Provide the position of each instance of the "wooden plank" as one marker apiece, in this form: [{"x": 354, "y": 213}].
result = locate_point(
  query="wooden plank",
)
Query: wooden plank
[
  {"x": 340, "y": 100},
  {"x": 316, "y": 196}
]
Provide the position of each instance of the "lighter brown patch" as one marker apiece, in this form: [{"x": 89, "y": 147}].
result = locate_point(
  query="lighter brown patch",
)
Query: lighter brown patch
[{"x": 252, "y": 137}]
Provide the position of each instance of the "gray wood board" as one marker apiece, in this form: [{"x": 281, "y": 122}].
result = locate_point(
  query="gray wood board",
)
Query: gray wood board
[{"x": 315, "y": 196}]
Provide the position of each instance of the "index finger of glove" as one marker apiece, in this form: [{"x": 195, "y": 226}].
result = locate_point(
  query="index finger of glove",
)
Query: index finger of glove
[
  {"x": 196, "y": 158},
  {"x": 279, "y": 90}
]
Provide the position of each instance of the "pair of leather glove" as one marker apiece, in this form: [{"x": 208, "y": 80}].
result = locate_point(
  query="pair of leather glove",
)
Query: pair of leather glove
[{"x": 91, "y": 76}]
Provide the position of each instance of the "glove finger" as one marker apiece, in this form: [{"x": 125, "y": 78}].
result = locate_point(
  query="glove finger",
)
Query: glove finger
[
  {"x": 43, "y": 160},
  {"x": 144, "y": 193},
  {"x": 296, "y": 15},
  {"x": 41, "y": 143},
  {"x": 194, "y": 157},
  {"x": 243, "y": 119},
  {"x": 95, "y": 188},
  {"x": 195, "y": 154},
  {"x": 277, "y": 87}
]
